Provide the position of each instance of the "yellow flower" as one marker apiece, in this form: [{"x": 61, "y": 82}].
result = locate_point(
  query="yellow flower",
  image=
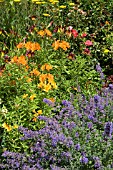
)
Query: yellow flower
[
  {"x": 25, "y": 96},
  {"x": 47, "y": 87},
  {"x": 35, "y": 0},
  {"x": 71, "y": 4},
  {"x": 7, "y": 127},
  {"x": 15, "y": 126},
  {"x": 1, "y": 0},
  {"x": 62, "y": 6},
  {"x": 106, "y": 51},
  {"x": 40, "y": 2},
  {"x": 46, "y": 15},
  {"x": 38, "y": 113},
  {"x": 17, "y": 0},
  {"x": 32, "y": 96}
]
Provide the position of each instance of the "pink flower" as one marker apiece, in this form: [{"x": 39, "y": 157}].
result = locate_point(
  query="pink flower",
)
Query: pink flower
[
  {"x": 88, "y": 43},
  {"x": 75, "y": 33},
  {"x": 84, "y": 35},
  {"x": 70, "y": 28}
]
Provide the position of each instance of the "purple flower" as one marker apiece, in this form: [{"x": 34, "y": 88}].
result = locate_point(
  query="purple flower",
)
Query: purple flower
[
  {"x": 108, "y": 129},
  {"x": 98, "y": 68},
  {"x": 84, "y": 160},
  {"x": 49, "y": 102},
  {"x": 89, "y": 125},
  {"x": 77, "y": 147}
]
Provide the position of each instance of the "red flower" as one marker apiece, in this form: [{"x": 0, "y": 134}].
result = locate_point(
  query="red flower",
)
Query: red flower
[
  {"x": 84, "y": 35},
  {"x": 75, "y": 33},
  {"x": 88, "y": 43}
]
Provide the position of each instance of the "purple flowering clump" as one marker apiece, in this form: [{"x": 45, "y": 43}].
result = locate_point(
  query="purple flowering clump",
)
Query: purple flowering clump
[
  {"x": 108, "y": 129},
  {"x": 77, "y": 147},
  {"x": 70, "y": 135},
  {"x": 84, "y": 160}
]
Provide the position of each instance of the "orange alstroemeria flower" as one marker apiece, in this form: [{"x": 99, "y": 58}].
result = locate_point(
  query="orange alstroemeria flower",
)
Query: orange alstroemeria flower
[
  {"x": 43, "y": 77},
  {"x": 32, "y": 96},
  {"x": 20, "y": 45},
  {"x": 56, "y": 44},
  {"x": 22, "y": 60},
  {"x": 14, "y": 59},
  {"x": 41, "y": 33},
  {"x": 46, "y": 67},
  {"x": 35, "y": 72},
  {"x": 64, "y": 45},
  {"x": 47, "y": 32}
]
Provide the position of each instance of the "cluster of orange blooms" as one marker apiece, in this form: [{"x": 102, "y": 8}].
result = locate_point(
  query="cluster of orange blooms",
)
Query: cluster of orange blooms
[
  {"x": 19, "y": 60},
  {"x": 46, "y": 67},
  {"x": 60, "y": 44},
  {"x": 29, "y": 46},
  {"x": 44, "y": 32},
  {"x": 47, "y": 82}
]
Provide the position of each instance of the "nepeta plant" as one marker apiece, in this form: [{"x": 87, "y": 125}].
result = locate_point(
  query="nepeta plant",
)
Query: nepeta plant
[{"x": 71, "y": 139}]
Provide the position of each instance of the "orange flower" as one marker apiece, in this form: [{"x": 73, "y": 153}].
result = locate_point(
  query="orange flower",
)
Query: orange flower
[
  {"x": 28, "y": 45},
  {"x": 22, "y": 60},
  {"x": 14, "y": 59},
  {"x": 20, "y": 45},
  {"x": 64, "y": 45},
  {"x": 52, "y": 100},
  {"x": 43, "y": 77},
  {"x": 56, "y": 44},
  {"x": 32, "y": 96},
  {"x": 47, "y": 32},
  {"x": 35, "y": 46},
  {"x": 46, "y": 67},
  {"x": 41, "y": 33},
  {"x": 50, "y": 77},
  {"x": 29, "y": 80},
  {"x": 34, "y": 119},
  {"x": 35, "y": 72}
]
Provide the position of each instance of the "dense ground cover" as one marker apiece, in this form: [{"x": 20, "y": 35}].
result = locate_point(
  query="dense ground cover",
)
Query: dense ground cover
[{"x": 56, "y": 84}]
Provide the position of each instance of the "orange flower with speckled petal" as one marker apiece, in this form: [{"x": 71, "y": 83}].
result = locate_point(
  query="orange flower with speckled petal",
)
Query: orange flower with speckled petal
[
  {"x": 14, "y": 59},
  {"x": 22, "y": 60},
  {"x": 56, "y": 44},
  {"x": 47, "y": 32},
  {"x": 35, "y": 72},
  {"x": 20, "y": 45},
  {"x": 46, "y": 67},
  {"x": 41, "y": 33}
]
